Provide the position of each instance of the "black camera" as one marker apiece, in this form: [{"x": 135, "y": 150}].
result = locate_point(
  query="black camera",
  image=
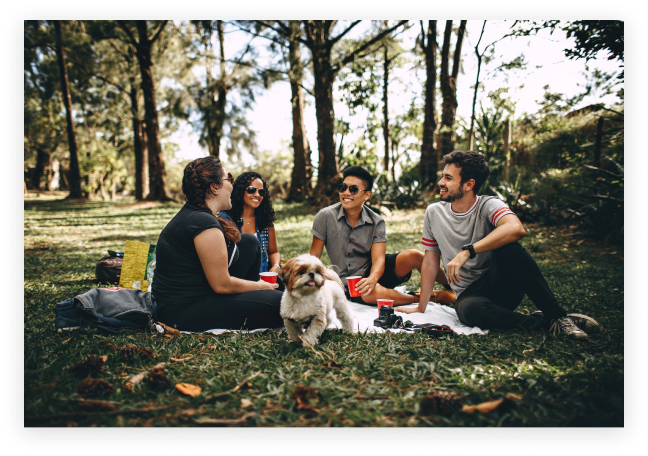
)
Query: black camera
[{"x": 387, "y": 319}]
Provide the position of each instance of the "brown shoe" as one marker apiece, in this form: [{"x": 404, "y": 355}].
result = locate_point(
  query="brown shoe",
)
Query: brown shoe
[{"x": 443, "y": 297}]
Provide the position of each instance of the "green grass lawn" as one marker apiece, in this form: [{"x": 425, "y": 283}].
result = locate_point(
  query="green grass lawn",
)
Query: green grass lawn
[{"x": 350, "y": 380}]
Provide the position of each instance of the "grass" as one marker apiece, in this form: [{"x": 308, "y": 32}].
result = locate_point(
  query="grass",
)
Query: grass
[{"x": 353, "y": 380}]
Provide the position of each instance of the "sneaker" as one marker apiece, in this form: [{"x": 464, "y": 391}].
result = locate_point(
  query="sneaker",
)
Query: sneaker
[
  {"x": 566, "y": 325},
  {"x": 587, "y": 324},
  {"x": 583, "y": 322}
]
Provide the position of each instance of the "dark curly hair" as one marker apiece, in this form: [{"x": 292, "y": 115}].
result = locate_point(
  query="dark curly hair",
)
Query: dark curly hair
[
  {"x": 472, "y": 165},
  {"x": 199, "y": 175},
  {"x": 264, "y": 214}
]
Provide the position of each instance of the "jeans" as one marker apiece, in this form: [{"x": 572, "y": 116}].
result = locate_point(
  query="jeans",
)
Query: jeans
[{"x": 489, "y": 302}]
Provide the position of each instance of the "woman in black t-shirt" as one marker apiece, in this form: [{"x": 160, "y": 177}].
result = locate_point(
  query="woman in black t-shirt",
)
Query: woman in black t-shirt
[{"x": 207, "y": 273}]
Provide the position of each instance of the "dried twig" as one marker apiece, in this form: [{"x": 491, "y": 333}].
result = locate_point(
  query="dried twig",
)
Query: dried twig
[
  {"x": 180, "y": 360},
  {"x": 233, "y": 390},
  {"x": 134, "y": 380},
  {"x": 221, "y": 422}
]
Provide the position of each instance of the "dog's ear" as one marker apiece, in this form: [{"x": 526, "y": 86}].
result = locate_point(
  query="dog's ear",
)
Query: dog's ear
[
  {"x": 321, "y": 270},
  {"x": 285, "y": 274}
]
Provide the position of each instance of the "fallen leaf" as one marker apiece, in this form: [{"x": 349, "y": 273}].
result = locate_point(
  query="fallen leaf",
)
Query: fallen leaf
[
  {"x": 169, "y": 329},
  {"x": 169, "y": 336},
  {"x": 303, "y": 395},
  {"x": 580, "y": 242},
  {"x": 484, "y": 407},
  {"x": 513, "y": 396},
  {"x": 188, "y": 389},
  {"x": 245, "y": 403}
]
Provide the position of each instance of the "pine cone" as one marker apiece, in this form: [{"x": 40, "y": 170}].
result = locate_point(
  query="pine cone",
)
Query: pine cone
[
  {"x": 130, "y": 351},
  {"x": 158, "y": 378},
  {"x": 439, "y": 403},
  {"x": 92, "y": 363},
  {"x": 92, "y": 387}
]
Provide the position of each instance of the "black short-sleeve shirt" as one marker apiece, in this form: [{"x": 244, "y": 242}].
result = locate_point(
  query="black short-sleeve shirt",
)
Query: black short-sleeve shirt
[{"x": 179, "y": 278}]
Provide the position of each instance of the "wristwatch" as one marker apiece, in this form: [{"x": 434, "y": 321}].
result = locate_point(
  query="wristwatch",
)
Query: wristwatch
[{"x": 471, "y": 249}]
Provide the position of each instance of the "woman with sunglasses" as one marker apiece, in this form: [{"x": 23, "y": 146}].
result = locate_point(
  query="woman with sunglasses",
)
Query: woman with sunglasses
[
  {"x": 207, "y": 273},
  {"x": 252, "y": 212}
]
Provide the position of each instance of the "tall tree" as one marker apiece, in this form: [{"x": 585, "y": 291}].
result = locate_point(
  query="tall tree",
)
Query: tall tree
[
  {"x": 74, "y": 178},
  {"x": 449, "y": 87},
  {"x": 428, "y": 165},
  {"x": 300, "y": 184},
  {"x": 319, "y": 40},
  {"x": 157, "y": 172}
]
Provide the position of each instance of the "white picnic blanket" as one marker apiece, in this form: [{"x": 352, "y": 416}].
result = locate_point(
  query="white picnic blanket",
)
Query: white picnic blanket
[{"x": 365, "y": 315}]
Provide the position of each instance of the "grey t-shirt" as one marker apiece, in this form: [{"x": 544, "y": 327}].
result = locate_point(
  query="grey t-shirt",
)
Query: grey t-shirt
[
  {"x": 349, "y": 248},
  {"x": 448, "y": 231}
]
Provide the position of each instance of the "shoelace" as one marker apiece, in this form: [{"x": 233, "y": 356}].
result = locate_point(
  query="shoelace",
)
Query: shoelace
[{"x": 564, "y": 325}]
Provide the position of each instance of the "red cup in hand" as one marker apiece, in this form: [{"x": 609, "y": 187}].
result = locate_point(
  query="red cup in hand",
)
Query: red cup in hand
[
  {"x": 270, "y": 277},
  {"x": 352, "y": 281},
  {"x": 384, "y": 302}
]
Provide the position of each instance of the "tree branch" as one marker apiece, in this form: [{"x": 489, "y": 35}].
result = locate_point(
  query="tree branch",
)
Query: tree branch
[
  {"x": 351, "y": 57},
  {"x": 125, "y": 28},
  {"x": 339, "y": 37},
  {"x": 157, "y": 34},
  {"x": 259, "y": 35}
]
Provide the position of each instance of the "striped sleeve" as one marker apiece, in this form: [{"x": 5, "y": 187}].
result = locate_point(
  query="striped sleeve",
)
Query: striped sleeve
[
  {"x": 428, "y": 242},
  {"x": 497, "y": 209}
]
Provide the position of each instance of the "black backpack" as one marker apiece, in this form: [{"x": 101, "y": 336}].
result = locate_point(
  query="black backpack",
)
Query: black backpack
[{"x": 109, "y": 268}]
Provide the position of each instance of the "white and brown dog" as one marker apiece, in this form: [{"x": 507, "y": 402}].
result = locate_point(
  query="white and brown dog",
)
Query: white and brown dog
[{"x": 312, "y": 292}]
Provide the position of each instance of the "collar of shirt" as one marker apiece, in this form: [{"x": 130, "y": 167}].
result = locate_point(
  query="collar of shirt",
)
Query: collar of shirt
[{"x": 364, "y": 216}]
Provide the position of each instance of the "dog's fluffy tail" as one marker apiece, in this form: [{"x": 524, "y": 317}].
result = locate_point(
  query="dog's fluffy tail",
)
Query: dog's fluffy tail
[{"x": 330, "y": 274}]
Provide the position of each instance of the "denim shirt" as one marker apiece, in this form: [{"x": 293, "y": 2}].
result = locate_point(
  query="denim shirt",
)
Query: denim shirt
[{"x": 262, "y": 236}]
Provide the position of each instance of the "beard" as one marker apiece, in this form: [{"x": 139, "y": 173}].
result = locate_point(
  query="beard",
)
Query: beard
[{"x": 452, "y": 196}]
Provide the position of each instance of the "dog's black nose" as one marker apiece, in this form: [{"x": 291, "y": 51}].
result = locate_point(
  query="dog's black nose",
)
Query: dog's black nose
[{"x": 312, "y": 275}]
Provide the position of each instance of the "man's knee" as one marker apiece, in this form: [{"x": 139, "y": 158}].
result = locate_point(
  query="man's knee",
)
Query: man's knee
[{"x": 471, "y": 311}]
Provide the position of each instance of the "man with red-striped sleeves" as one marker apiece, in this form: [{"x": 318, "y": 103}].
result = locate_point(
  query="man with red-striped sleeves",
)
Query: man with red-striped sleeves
[{"x": 489, "y": 271}]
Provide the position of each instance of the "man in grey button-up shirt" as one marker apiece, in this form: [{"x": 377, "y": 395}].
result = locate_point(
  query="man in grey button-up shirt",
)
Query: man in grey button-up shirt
[{"x": 356, "y": 239}]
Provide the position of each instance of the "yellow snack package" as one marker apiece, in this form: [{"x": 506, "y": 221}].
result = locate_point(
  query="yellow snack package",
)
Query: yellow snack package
[{"x": 134, "y": 265}]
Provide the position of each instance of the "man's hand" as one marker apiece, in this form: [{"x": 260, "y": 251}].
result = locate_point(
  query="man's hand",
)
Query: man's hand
[
  {"x": 274, "y": 268},
  {"x": 452, "y": 270},
  {"x": 365, "y": 286}
]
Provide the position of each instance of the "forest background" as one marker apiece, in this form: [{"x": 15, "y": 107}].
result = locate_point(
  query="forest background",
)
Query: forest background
[{"x": 105, "y": 99}]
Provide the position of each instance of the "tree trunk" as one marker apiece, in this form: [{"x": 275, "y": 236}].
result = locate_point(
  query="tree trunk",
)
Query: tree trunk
[
  {"x": 506, "y": 136},
  {"x": 141, "y": 153},
  {"x": 157, "y": 173},
  {"x": 42, "y": 170},
  {"x": 449, "y": 86},
  {"x": 386, "y": 113},
  {"x": 328, "y": 170},
  {"x": 221, "y": 96},
  {"x": 302, "y": 168},
  {"x": 471, "y": 133},
  {"x": 427, "y": 166},
  {"x": 597, "y": 143},
  {"x": 75, "y": 174}
]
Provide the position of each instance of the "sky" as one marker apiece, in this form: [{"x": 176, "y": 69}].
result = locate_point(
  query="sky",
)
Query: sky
[{"x": 270, "y": 117}]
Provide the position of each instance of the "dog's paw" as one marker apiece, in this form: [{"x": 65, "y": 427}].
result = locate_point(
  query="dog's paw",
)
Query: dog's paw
[{"x": 310, "y": 340}]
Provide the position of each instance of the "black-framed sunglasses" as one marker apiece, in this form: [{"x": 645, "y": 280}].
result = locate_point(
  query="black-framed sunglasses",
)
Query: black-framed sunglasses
[
  {"x": 353, "y": 189},
  {"x": 252, "y": 190},
  {"x": 230, "y": 178}
]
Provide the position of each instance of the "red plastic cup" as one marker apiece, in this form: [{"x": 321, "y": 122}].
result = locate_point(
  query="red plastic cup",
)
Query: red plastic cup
[
  {"x": 270, "y": 277},
  {"x": 352, "y": 281},
  {"x": 384, "y": 302}
]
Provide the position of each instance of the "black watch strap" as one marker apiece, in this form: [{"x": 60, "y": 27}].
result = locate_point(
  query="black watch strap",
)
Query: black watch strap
[{"x": 471, "y": 249}]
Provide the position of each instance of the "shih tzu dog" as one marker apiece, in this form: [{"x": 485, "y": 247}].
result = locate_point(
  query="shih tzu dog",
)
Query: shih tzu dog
[{"x": 312, "y": 292}]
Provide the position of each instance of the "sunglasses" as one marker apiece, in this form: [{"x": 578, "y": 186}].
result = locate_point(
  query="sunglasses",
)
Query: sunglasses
[
  {"x": 353, "y": 189},
  {"x": 229, "y": 178},
  {"x": 252, "y": 190}
]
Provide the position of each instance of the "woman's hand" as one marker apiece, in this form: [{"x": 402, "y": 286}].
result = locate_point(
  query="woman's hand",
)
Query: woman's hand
[
  {"x": 274, "y": 268},
  {"x": 263, "y": 285}
]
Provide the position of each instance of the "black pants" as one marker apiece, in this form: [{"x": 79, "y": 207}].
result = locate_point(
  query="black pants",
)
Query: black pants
[
  {"x": 489, "y": 302},
  {"x": 249, "y": 310}
]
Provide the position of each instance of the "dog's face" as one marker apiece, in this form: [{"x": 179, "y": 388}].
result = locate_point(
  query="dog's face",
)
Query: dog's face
[{"x": 303, "y": 275}]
